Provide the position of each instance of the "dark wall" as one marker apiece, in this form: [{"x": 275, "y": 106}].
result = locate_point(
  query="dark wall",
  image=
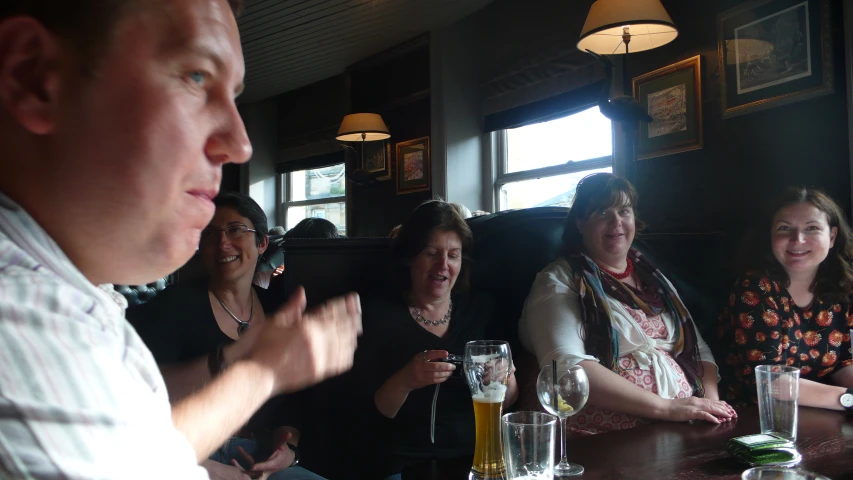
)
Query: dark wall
[
  {"x": 395, "y": 84},
  {"x": 746, "y": 159},
  {"x": 312, "y": 113},
  {"x": 230, "y": 178}
]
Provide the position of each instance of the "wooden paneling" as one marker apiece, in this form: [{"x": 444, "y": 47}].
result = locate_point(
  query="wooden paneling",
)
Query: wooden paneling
[{"x": 395, "y": 85}]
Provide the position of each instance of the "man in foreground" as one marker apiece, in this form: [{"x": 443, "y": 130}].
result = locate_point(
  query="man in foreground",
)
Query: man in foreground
[{"x": 116, "y": 117}]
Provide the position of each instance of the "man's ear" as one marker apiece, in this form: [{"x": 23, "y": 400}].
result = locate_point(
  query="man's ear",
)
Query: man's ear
[{"x": 29, "y": 73}]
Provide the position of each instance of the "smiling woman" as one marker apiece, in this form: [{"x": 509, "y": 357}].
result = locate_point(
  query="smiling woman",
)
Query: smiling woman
[
  {"x": 793, "y": 306},
  {"x": 203, "y": 319},
  {"x": 426, "y": 314},
  {"x": 604, "y": 306}
]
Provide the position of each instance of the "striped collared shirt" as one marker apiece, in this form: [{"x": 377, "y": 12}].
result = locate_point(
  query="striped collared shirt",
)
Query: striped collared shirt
[{"x": 80, "y": 395}]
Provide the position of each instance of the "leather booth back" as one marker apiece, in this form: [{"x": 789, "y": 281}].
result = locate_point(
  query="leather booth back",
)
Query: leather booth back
[
  {"x": 510, "y": 248},
  {"x": 139, "y": 294}
]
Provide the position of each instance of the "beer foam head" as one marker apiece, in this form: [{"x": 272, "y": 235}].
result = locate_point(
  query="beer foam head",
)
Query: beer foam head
[
  {"x": 492, "y": 393},
  {"x": 483, "y": 359}
]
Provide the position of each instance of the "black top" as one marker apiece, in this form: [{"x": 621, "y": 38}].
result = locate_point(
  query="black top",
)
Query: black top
[
  {"x": 391, "y": 338},
  {"x": 178, "y": 325}
]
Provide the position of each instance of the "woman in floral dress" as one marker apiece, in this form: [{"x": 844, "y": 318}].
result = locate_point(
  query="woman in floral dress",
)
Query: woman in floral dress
[
  {"x": 604, "y": 306},
  {"x": 794, "y": 307}
]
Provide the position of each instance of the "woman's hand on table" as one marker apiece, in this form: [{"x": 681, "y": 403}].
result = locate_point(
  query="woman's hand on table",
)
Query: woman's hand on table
[
  {"x": 695, "y": 408},
  {"x": 421, "y": 371}
]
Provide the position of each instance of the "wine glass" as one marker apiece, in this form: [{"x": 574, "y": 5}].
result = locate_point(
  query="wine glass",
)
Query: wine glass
[{"x": 563, "y": 391}]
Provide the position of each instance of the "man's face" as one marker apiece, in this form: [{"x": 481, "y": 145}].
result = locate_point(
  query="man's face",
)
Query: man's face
[{"x": 142, "y": 142}]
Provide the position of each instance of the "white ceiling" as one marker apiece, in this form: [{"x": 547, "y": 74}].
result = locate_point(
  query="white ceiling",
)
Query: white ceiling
[{"x": 291, "y": 43}]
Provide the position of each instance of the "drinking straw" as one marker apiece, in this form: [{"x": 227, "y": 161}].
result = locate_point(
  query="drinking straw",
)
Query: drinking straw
[{"x": 554, "y": 377}]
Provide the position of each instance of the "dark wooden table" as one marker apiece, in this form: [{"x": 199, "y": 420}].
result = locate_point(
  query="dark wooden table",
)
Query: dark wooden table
[{"x": 687, "y": 451}]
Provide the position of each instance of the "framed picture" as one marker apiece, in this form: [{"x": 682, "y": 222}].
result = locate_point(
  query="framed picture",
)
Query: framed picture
[
  {"x": 413, "y": 168},
  {"x": 774, "y": 52},
  {"x": 673, "y": 97},
  {"x": 377, "y": 158}
]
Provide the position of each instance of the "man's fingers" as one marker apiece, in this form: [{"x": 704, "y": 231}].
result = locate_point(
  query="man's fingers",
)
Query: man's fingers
[
  {"x": 353, "y": 302},
  {"x": 291, "y": 312}
]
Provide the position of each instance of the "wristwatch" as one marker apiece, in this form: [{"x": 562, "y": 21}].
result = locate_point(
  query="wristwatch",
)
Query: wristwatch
[
  {"x": 295, "y": 451},
  {"x": 847, "y": 400}
]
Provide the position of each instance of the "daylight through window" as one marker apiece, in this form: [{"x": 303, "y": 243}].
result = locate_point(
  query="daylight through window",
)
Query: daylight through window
[
  {"x": 541, "y": 164},
  {"x": 318, "y": 193}
]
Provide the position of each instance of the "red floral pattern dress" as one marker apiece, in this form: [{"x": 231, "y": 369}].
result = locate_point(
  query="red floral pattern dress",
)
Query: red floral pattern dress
[
  {"x": 763, "y": 326},
  {"x": 592, "y": 420}
]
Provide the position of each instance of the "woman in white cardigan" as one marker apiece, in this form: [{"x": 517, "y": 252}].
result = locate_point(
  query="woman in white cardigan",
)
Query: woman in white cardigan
[{"x": 604, "y": 306}]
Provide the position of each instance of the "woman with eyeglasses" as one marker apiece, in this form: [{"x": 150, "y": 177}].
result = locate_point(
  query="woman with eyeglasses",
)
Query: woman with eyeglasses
[
  {"x": 603, "y": 305},
  {"x": 194, "y": 329}
]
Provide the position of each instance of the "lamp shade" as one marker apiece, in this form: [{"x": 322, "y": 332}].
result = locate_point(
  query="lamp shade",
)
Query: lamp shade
[
  {"x": 647, "y": 21},
  {"x": 356, "y": 124}
]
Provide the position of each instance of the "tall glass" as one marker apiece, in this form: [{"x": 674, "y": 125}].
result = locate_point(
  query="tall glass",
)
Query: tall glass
[
  {"x": 778, "y": 391},
  {"x": 487, "y": 365},
  {"x": 563, "y": 391}
]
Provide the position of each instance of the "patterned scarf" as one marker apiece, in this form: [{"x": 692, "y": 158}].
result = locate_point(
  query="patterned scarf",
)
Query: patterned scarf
[{"x": 655, "y": 296}]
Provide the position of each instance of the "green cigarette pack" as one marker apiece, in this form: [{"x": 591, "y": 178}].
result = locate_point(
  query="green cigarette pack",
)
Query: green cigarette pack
[{"x": 764, "y": 449}]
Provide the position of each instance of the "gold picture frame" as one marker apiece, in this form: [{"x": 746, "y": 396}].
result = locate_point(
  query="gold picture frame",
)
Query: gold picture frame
[
  {"x": 672, "y": 96},
  {"x": 413, "y": 166}
]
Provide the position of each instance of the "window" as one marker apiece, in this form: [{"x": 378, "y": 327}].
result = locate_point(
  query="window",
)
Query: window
[
  {"x": 317, "y": 193},
  {"x": 541, "y": 164}
]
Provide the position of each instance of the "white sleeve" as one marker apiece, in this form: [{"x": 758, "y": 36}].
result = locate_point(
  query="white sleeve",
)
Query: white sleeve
[
  {"x": 705, "y": 354},
  {"x": 550, "y": 324}
]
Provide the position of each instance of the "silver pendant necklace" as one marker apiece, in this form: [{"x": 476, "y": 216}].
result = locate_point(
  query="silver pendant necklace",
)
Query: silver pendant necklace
[
  {"x": 432, "y": 323},
  {"x": 242, "y": 325}
]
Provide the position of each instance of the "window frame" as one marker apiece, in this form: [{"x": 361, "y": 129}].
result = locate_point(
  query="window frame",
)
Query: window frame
[
  {"x": 501, "y": 158},
  {"x": 284, "y": 190}
]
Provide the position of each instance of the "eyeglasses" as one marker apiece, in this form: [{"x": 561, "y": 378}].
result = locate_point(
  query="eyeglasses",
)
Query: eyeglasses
[{"x": 233, "y": 232}]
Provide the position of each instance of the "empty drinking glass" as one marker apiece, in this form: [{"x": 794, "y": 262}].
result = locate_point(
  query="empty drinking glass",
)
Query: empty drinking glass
[
  {"x": 529, "y": 439},
  {"x": 778, "y": 391}
]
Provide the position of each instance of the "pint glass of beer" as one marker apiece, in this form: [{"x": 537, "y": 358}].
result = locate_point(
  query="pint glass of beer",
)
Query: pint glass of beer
[{"x": 487, "y": 365}]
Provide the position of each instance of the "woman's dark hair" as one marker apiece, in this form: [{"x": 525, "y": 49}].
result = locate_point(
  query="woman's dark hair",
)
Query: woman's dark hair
[
  {"x": 597, "y": 192},
  {"x": 246, "y": 207},
  {"x": 429, "y": 217},
  {"x": 834, "y": 279},
  {"x": 313, "y": 228}
]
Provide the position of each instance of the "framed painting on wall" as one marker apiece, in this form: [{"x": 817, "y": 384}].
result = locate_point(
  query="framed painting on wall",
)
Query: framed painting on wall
[
  {"x": 774, "y": 52},
  {"x": 672, "y": 96},
  {"x": 377, "y": 158},
  {"x": 413, "y": 167}
]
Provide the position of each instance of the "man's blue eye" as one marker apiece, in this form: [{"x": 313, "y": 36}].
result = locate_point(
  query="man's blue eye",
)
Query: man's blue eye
[{"x": 198, "y": 77}]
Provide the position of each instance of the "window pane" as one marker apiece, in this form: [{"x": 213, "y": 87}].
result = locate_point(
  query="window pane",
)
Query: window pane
[
  {"x": 333, "y": 212},
  {"x": 581, "y": 136},
  {"x": 557, "y": 191},
  {"x": 318, "y": 183}
]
